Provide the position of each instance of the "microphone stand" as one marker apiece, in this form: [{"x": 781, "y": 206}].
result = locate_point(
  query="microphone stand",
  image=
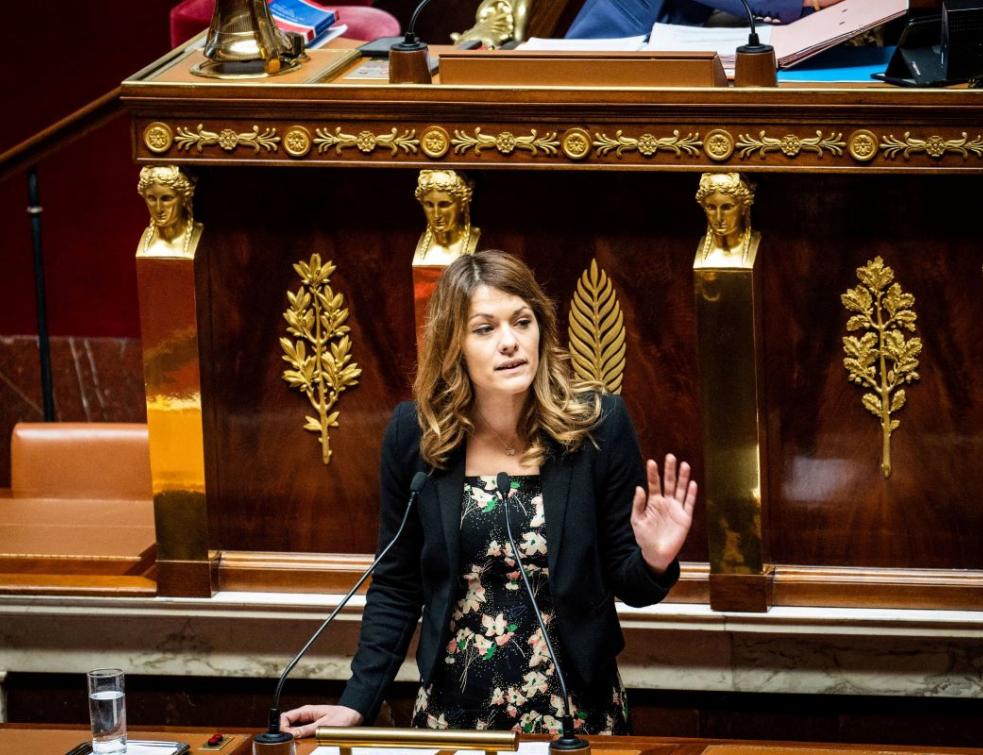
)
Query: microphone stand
[
  {"x": 409, "y": 60},
  {"x": 568, "y": 741},
  {"x": 276, "y": 742},
  {"x": 756, "y": 65}
]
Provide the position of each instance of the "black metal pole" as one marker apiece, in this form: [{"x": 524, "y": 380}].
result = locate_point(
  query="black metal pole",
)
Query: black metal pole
[{"x": 44, "y": 347}]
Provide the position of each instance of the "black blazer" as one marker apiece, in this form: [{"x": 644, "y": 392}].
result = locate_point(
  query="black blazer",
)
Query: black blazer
[{"x": 591, "y": 552}]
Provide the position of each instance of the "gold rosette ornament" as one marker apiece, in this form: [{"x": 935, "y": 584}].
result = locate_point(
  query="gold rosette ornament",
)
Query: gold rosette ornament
[
  {"x": 316, "y": 319},
  {"x": 882, "y": 359}
]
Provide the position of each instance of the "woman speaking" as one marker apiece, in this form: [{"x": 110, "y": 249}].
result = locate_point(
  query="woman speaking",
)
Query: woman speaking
[{"x": 494, "y": 393}]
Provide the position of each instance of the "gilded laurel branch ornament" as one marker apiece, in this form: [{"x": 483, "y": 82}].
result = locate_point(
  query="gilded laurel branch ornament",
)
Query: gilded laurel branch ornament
[
  {"x": 934, "y": 146},
  {"x": 597, "y": 330},
  {"x": 367, "y": 141},
  {"x": 648, "y": 144},
  {"x": 882, "y": 359},
  {"x": 227, "y": 139},
  {"x": 316, "y": 319},
  {"x": 505, "y": 142},
  {"x": 789, "y": 145}
]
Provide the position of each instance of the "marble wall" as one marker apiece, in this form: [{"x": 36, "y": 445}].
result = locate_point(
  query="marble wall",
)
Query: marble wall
[{"x": 95, "y": 380}]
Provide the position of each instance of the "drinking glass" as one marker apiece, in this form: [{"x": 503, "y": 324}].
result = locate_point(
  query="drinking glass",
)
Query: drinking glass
[{"x": 107, "y": 711}]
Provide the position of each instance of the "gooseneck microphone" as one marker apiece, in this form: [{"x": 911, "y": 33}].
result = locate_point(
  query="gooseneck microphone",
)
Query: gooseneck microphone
[
  {"x": 409, "y": 60},
  {"x": 568, "y": 741},
  {"x": 273, "y": 740}
]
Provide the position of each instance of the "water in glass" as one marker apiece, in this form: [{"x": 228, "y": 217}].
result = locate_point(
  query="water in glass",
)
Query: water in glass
[{"x": 107, "y": 714}]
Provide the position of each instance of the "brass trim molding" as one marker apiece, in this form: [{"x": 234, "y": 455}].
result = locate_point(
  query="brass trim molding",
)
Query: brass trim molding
[
  {"x": 367, "y": 141},
  {"x": 647, "y": 144},
  {"x": 597, "y": 330},
  {"x": 227, "y": 139},
  {"x": 574, "y": 143},
  {"x": 505, "y": 142},
  {"x": 934, "y": 146},
  {"x": 789, "y": 145},
  {"x": 883, "y": 310},
  {"x": 317, "y": 316}
]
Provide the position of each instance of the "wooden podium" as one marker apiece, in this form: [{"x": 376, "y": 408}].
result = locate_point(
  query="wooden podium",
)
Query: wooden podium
[{"x": 564, "y": 176}]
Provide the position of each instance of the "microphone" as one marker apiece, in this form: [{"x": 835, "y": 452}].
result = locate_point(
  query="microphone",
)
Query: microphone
[
  {"x": 568, "y": 741},
  {"x": 273, "y": 741},
  {"x": 755, "y": 64},
  {"x": 409, "y": 61}
]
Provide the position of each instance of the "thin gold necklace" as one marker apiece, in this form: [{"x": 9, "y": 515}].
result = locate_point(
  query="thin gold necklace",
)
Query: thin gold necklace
[{"x": 510, "y": 450}]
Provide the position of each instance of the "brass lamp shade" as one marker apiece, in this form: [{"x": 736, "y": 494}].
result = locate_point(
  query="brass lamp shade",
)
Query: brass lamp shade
[{"x": 244, "y": 42}]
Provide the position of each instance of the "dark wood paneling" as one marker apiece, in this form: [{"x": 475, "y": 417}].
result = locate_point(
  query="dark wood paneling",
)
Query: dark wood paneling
[
  {"x": 829, "y": 502},
  {"x": 267, "y": 487}
]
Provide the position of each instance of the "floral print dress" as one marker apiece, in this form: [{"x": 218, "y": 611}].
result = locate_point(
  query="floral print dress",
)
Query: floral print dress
[{"x": 496, "y": 671}]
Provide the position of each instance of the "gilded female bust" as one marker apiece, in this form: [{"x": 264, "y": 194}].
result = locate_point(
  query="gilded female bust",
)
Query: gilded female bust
[
  {"x": 173, "y": 231},
  {"x": 445, "y": 197},
  {"x": 726, "y": 199}
]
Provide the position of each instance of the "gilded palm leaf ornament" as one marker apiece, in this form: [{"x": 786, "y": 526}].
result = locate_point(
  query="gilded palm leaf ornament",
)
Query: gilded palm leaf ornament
[{"x": 597, "y": 330}]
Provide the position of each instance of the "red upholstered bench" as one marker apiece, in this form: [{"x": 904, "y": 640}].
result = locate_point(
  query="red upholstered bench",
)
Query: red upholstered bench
[{"x": 192, "y": 16}]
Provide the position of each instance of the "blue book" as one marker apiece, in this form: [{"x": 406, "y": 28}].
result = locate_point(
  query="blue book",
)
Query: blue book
[{"x": 307, "y": 18}]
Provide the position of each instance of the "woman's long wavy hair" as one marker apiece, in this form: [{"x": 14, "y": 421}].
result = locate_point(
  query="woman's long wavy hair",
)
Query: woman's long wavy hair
[{"x": 557, "y": 407}]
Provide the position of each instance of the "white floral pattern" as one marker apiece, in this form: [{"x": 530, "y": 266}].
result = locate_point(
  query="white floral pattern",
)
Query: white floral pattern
[{"x": 497, "y": 671}]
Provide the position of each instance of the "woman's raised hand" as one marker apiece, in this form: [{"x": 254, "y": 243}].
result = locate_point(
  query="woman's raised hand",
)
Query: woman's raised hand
[
  {"x": 303, "y": 721},
  {"x": 662, "y": 518}
]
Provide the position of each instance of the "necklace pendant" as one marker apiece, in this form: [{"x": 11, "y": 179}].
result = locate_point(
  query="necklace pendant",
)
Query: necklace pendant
[{"x": 510, "y": 452}]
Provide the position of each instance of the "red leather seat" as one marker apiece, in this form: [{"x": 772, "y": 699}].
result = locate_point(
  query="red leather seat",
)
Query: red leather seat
[{"x": 192, "y": 16}]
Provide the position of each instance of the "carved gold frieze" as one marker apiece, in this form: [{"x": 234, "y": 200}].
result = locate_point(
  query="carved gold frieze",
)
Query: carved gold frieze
[
  {"x": 367, "y": 141},
  {"x": 297, "y": 141},
  {"x": 934, "y": 146},
  {"x": 718, "y": 145},
  {"x": 505, "y": 142},
  {"x": 647, "y": 144},
  {"x": 158, "y": 137},
  {"x": 227, "y": 139},
  {"x": 316, "y": 319},
  {"x": 576, "y": 143},
  {"x": 435, "y": 142},
  {"x": 789, "y": 145},
  {"x": 882, "y": 360},
  {"x": 597, "y": 330},
  {"x": 862, "y": 145}
]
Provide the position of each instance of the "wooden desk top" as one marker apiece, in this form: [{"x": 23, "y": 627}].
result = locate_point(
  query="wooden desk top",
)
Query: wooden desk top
[{"x": 40, "y": 739}]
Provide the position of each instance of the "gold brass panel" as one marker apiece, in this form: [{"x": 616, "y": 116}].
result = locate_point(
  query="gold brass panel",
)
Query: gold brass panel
[
  {"x": 882, "y": 359},
  {"x": 789, "y": 145},
  {"x": 728, "y": 345},
  {"x": 316, "y": 317},
  {"x": 597, "y": 331},
  {"x": 433, "y": 739}
]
